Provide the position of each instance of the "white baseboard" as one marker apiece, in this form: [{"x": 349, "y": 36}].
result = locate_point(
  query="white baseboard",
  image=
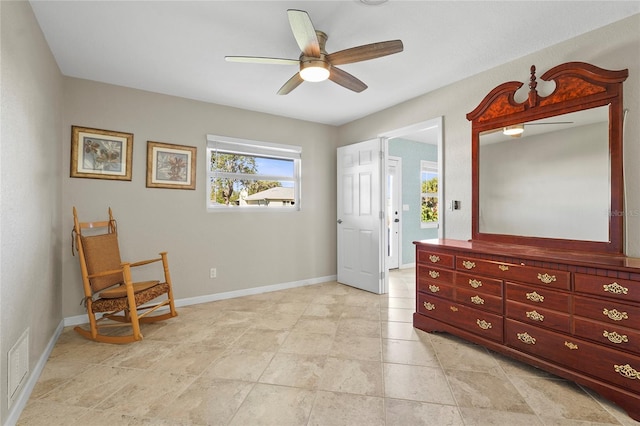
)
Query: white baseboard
[
  {"x": 251, "y": 291},
  {"x": 82, "y": 319},
  {"x": 22, "y": 399}
]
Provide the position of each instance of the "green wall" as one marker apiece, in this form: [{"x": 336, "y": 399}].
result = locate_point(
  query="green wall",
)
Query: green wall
[{"x": 412, "y": 153}]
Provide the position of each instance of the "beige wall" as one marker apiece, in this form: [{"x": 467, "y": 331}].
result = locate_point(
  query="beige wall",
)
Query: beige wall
[
  {"x": 249, "y": 249},
  {"x": 30, "y": 223},
  {"x": 616, "y": 46}
]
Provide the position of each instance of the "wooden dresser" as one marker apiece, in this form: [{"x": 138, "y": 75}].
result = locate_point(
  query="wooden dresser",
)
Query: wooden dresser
[{"x": 573, "y": 314}]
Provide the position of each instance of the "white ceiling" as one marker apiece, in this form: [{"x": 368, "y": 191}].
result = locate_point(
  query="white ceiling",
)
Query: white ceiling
[{"x": 178, "y": 47}]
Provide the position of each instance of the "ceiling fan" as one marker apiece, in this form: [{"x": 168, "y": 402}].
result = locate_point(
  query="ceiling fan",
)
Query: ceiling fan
[{"x": 315, "y": 63}]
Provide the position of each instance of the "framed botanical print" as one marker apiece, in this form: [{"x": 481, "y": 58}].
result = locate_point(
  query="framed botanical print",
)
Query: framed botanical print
[
  {"x": 100, "y": 154},
  {"x": 171, "y": 166}
]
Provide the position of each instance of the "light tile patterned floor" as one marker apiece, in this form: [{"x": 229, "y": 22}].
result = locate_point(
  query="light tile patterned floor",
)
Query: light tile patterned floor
[{"x": 326, "y": 354}]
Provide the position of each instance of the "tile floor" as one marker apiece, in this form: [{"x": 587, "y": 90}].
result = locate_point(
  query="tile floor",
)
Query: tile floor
[{"x": 326, "y": 354}]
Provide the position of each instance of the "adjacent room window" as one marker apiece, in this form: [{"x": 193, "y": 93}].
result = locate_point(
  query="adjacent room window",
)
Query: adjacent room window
[
  {"x": 429, "y": 196},
  {"x": 246, "y": 174}
]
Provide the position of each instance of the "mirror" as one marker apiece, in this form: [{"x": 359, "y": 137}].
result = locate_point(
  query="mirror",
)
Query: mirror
[
  {"x": 551, "y": 180},
  {"x": 559, "y": 182}
]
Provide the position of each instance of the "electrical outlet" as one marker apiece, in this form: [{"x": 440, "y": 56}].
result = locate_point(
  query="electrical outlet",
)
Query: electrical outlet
[{"x": 213, "y": 273}]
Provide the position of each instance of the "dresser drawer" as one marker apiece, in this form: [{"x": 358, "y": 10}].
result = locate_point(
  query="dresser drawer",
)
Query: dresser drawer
[
  {"x": 479, "y": 283},
  {"x": 624, "y": 290},
  {"x": 479, "y": 300},
  {"x": 470, "y": 319},
  {"x": 544, "y": 298},
  {"x": 543, "y": 343},
  {"x": 434, "y": 258},
  {"x": 438, "y": 289},
  {"x": 612, "y": 335},
  {"x": 607, "y": 311},
  {"x": 529, "y": 274},
  {"x": 613, "y": 366},
  {"x": 436, "y": 275},
  {"x": 539, "y": 316}
]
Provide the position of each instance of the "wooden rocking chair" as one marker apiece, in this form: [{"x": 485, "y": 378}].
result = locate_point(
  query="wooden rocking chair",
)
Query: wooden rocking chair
[{"x": 108, "y": 286}]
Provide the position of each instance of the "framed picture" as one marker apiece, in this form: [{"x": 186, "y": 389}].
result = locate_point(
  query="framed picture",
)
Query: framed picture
[
  {"x": 171, "y": 166},
  {"x": 100, "y": 154}
]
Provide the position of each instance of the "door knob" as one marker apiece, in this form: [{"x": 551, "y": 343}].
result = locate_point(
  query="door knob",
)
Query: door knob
[{"x": 339, "y": 221}]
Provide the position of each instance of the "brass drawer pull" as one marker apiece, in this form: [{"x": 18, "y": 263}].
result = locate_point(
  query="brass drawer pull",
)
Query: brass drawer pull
[
  {"x": 434, "y": 258},
  {"x": 453, "y": 308},
  {"x": 570, "y": 345},
  {"x": 434, "y": 274},
  {"x": 615, "y": 288},
  {"x": 483, "y": 324},
  {"x": 477, "y": 300},
  {"x": 429, "y": 306},
  {"x": 468, "y": 264},
  {"x": 526, "y": 338},
  {"x": 546, "y": 278},
  {"x": 503, "y": 268},
  {"x": 535, "y": 297},
  {"x": 475, "y": 283},
  {"x": 434, "y": 288},
  {"x": 535, "y": 316},
  {"x": 627, "y": 371},
  {"x": 615, "y": 337},
  {"x": 615, "y": 314}
]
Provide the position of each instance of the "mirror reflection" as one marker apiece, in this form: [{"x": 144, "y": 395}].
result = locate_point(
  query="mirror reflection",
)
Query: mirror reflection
[{"x": 548, "y": 178}]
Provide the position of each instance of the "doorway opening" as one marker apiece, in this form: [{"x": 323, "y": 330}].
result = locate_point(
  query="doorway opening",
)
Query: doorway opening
[
  {"x": 370, "y": 210},
  {"x": 413, "y": 191}
]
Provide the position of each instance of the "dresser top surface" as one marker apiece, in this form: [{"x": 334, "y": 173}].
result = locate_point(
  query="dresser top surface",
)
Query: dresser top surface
[{"x": 537, "y": 253}]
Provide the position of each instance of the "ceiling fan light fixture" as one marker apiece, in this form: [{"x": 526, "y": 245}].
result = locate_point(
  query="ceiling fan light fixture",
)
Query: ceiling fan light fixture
[
  {"x": 314, "y": 70},
  {"x": 515, "y": 130}
]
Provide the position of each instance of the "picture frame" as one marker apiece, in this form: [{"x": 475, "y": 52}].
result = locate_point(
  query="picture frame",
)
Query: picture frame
[
  {"x": 171, "y": 166},
  {"x": 100, "y": 154}
]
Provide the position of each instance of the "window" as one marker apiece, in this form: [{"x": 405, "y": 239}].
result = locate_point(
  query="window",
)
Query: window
[
  {"x": 429, "y": 194},
  {"x": 247, "y": 174}
]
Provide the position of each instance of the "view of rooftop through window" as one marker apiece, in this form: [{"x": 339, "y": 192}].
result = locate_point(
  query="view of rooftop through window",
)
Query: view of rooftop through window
[{"x": 252, "y": 175}]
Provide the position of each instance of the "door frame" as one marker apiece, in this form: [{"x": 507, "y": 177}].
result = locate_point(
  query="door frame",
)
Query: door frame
[{"x": 398, "y": 183}]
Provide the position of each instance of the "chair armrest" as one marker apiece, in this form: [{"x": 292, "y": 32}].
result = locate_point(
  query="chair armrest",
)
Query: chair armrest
[{"x": 145, "y": 262}]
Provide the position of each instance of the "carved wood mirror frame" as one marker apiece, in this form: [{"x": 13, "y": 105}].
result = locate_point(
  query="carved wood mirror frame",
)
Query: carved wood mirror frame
[{"x": 579, "y": 86}]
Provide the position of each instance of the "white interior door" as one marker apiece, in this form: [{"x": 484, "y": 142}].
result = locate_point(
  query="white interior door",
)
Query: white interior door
[
  {"x": 393, "y": 211},
  {"x": 360, "y": 216}
]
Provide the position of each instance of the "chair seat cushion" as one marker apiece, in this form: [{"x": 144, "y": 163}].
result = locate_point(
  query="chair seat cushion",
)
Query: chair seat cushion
[
  {"x": 121, "y": 290},
  {"x": 120, "y": 303}
]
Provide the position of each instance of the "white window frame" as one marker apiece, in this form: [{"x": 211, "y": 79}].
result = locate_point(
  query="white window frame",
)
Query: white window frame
[
  {"x": 253, "y": 148},
  {"x": 430, "y": 166}
]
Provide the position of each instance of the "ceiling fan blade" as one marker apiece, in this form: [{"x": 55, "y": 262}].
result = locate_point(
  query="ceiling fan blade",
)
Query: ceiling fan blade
[
  {"x": 365, "y": 52},
  {"x": 304, "y": 32},
  {"x": 291, "y": 84},
  {"x": 261, "y": 60},
  {"x": 345, "y": 79}
]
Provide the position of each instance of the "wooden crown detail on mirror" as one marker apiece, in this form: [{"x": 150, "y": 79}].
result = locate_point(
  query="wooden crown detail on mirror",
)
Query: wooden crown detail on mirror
[
  {"x": 578, "y": 86},
  {"x": 575, "y": 82}
]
